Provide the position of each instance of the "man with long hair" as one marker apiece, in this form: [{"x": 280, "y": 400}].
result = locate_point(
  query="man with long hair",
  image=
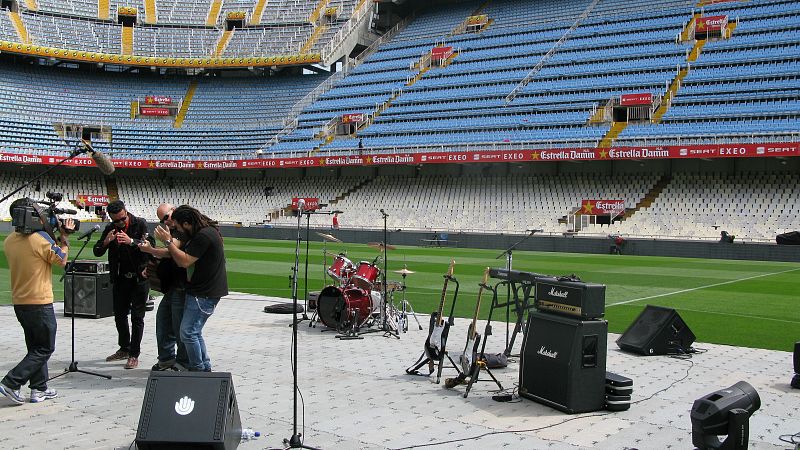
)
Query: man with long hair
[{"x": 204, "y": 258}]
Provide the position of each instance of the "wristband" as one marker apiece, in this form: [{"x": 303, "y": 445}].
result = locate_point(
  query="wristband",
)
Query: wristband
[{"x": 168, "y": 242}]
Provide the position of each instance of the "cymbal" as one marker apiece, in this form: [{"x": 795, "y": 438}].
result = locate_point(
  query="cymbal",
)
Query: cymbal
[
  {"x": 327, "y": 253},
  {"x": 328, "y": 237},
  {"x": 404, "y": 271},
  {"x": 381, "y": 246}
]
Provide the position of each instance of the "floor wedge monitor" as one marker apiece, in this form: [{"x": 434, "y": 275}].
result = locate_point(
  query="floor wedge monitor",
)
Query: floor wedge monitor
[{"x": 657, "y": 331}]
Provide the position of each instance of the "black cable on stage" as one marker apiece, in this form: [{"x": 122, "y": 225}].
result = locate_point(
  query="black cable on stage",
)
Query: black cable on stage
[
  {"x": 793, "y": 439},
  {"x": 687, "y": 356},
  {"x": 294, "y": 370}
]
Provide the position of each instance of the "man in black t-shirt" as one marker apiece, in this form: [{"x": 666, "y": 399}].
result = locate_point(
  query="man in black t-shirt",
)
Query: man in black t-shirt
[
  {"x": 172, "y": 281},
  {"x": 204, "y": 258},
  {"x": 130, "y": 286}
]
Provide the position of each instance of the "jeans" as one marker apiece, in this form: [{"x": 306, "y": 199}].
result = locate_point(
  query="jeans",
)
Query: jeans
[
  {"x": 195, "y": 313},
  {"x": 130, "y": 297},
  {"x": 39, "y": 324},
  {"x": 168, "y": 325}
]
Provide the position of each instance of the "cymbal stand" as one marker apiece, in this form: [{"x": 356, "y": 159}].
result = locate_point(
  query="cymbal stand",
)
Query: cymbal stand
[{"x": 405, "y": 305}]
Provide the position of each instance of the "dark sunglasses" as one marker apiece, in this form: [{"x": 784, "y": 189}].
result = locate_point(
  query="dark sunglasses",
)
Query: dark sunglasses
[
  {"x": 121, "y": 219},
  {"x": 165, "y": 218}
]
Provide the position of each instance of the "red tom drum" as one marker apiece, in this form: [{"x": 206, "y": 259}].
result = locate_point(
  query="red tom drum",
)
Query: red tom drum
[
  {"x": 342, "y": 269},
  {"x": 366, "y": 275}
]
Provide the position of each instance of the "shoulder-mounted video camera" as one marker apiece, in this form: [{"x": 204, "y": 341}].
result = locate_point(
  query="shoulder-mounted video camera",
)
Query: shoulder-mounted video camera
[{"x": 31, "y": 216}]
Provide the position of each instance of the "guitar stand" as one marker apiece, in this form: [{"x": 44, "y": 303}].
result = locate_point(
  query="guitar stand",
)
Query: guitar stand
[
  {"x": 480, "y": 364},
  {"x": 424, "y": 358}
]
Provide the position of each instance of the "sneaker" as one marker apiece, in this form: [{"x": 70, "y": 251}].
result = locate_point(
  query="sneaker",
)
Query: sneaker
[
  {"x": 163, "y": 365},
  {"x": 12, "y": 394},
  {"x": 119, "y": 355},
  {"x": 133, "y": 362},
  {"x": 40, "y": 396}
]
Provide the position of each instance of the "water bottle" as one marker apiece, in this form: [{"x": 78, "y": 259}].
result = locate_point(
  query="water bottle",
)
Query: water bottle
[{"x": 248, "y": 434}]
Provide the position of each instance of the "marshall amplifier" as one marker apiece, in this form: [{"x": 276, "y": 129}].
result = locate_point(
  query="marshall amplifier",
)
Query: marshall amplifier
[
  {"x": 189, "y": 410},
  {"x": 573, "y": 298},
  {"x": 563, "y": 362},
  {"x": 90, "y": 266}
]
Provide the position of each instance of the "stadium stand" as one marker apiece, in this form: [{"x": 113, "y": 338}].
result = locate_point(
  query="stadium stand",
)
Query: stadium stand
[
  {"x": 71, "y": 187},
  {"x": 530, "y": 77}
]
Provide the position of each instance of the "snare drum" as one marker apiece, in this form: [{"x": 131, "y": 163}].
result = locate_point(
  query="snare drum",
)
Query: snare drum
[
  {"x": 366, "y": 275},
  {"x": 342, "y": 269},
  {"x": 342, "y": 308}
]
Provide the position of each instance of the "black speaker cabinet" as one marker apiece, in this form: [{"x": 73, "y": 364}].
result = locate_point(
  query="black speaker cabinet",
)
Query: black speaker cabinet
[
  {"x": 797, "y": 357},
  {"x": 189, "y": 410},
  {"x": 563, "y": 362},
  {"x": 657, "y": 331},
  {"x": 93, "y": 295}
]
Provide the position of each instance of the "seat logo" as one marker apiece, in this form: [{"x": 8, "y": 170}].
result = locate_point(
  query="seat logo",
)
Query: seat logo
[{"x": 184, "y": 406}]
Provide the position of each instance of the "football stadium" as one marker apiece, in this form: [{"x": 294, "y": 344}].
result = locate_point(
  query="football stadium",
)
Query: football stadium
[{"x": 400, "y": 224}]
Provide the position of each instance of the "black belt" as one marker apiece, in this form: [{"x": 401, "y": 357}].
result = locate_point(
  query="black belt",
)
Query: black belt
[{"x": 129, "y": 275}]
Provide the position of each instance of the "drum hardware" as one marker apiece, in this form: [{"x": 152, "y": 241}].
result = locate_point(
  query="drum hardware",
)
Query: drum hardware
[
  {"x": 405, "y": 305},
  {"x": 328, "y": 237}
]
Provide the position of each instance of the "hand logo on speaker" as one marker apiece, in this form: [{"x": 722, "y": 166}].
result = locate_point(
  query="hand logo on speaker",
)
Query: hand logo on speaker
[{"x": 184, "y": 406}]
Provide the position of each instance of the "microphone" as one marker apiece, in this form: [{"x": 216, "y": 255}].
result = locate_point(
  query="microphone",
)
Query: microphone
[
  {"x": 301, "y": 204},
  {"x": 102, "y": 161},
  {"x": 89, "y": 232},
  {"x": 384, "y": 213}
]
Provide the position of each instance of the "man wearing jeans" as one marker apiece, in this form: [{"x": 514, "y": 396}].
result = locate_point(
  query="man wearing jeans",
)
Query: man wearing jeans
[
  {"x": 204, "y": 258},
  {"x": 30, "y": 260},
  {"x": 172, "y": 279}
]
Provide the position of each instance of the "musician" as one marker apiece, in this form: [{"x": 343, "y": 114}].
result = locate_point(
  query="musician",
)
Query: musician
[
  {"x": 130, "y": 285},
  {"x": 30, "y": 260},
  {"x": 170, "y": 310},
  {"x": 204, "y": 258}
]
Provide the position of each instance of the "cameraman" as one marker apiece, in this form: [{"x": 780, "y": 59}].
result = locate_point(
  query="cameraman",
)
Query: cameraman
[
  {"x": 30, "y": 260},
  {"x": 131, "y": 287}
]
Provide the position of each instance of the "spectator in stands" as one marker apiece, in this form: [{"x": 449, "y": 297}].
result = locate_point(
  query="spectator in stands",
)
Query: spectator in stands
[
  {"x": 204, "y": 257},
  {"x": 335, "y": 224},
  {"x": 172, "y": 280},
  {"x": 360, "y": 146},
  {"x": 128, "y": 276},
  {"x": 30, "y": 260}
]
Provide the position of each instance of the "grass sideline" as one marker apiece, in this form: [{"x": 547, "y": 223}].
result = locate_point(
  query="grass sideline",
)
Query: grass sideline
[{"x": 742, "y": 303}]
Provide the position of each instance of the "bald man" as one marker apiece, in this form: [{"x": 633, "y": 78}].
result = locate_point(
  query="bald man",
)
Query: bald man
[{"x": 170, "y": 310}]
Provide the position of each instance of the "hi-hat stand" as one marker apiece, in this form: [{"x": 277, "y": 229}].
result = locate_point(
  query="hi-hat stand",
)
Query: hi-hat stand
[
  {"x": 518, "y": 326},
  {"x": 389, "y": 328}
]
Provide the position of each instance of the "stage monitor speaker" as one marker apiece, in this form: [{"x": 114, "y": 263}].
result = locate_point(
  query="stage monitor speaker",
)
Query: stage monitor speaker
[
  {"x": 563, "y": 362},
  {"x": 93, "y": 295},
  {"x": 189, "y": 410},
  {"x": 657, "y": 331},
  {"x": 789, "y": 238}
]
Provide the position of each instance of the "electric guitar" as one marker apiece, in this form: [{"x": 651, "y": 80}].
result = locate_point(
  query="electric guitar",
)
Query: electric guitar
[
  {"x": 439, "y": 328},
  {"x": 469, "y": 358}
]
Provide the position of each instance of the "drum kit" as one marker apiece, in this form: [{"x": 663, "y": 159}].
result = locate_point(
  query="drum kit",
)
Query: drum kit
[{"x": 354, "y": 301}]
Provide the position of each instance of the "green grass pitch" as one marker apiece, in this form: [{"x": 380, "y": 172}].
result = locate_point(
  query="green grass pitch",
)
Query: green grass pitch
[{"x": 742, "y": 303}]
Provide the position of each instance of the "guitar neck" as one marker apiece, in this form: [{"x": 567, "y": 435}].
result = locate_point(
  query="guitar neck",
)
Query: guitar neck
[
  {"x": 440, "y": 319},
  {"x": 474, "y": 326}
]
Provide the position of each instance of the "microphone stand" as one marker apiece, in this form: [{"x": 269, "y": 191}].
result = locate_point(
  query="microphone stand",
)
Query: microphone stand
[
  {"x": 305, "y": 276},
  {"x": 509, "y": 259},
  {"x": 295, "y": 441},
  {"x": 387, "y": 330},
  {"x": 73, "y": 365}
]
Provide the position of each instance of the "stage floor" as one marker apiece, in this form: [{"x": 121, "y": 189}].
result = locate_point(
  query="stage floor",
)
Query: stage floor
[{"x": 358, "y": 396}]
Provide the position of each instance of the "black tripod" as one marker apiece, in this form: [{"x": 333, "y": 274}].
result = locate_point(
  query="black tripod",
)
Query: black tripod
[
  {"x": 70, "y": 272},
  {"x": 295, "y": 441}
]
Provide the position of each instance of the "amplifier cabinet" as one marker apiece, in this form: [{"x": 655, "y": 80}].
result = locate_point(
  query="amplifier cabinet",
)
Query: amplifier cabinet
[
  {"x": 563, "y": 362},
  {"x": 93, "y": 295},
  {"x": 571, "y": 298}
]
